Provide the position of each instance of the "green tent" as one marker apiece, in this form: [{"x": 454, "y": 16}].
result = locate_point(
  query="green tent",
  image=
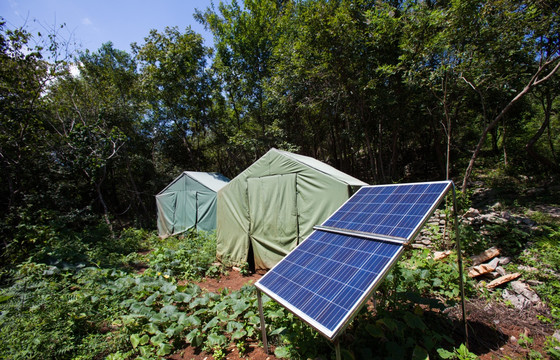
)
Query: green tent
[
  {"x": 272, "y": 206},
  {"x": 189, "y": 202}
]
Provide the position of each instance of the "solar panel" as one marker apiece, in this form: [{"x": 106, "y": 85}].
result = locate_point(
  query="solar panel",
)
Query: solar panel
[
  {"x": 328, "y": 277},
  {"x": 395, "y": 211},
  {"x": 323, "y": 281}
]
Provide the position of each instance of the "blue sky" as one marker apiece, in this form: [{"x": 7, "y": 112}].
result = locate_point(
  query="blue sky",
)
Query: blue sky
[{"x": 94, "y": 22}]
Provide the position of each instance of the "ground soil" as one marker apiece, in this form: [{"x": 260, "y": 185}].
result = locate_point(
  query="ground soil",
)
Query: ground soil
[{"x": 494, "y": 328}]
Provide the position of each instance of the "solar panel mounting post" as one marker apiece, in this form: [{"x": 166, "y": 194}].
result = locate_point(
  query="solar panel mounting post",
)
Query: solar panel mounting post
[
  {"x": 263, "y": 325},
  {"x": 337, "y": 349},
  {"x": 460, "y": 265}
]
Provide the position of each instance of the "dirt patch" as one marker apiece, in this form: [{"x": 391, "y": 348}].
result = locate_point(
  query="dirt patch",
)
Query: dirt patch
[
  {"x": 254, "y": 352},
  {"x": 233, "y": 281},
  {"x": 495, "y": 329}
]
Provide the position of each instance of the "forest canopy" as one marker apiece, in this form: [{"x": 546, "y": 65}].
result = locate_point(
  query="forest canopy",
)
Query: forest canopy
[{"x": 387, "y": 91}]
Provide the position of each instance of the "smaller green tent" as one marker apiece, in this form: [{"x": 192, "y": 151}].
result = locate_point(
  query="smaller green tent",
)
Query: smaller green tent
[
  {"x": 265, "y": 211},
  {"x": 189, "y": 202}
]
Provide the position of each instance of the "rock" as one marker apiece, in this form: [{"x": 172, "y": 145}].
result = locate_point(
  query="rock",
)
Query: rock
[
  {"x": 493, "y": 275},
  {"x": 500, "y": 270},
  {"x": 489, "y": 217},
  {"x": 523, "y": 289},
  {"x": 471, "y": 213},
  {"x": 504, "y": 260},
  {"x": 480, "y": 270},
  {"x": 485, "y": 255},
  {"x": 494, "y": 263},
  {"x": 502, "y": 280},
  {"x": 521, "y": 296},
  {"x": 517, "y": 301},
  {"x": 439, "y": 255},
  {"x": 527, "y": 268},
  {"x": 496, "y": 206},
  {"x": 534, "y": 282},
  {"x": 557, "y": 335},
  {"x": 528, "y": 222}
]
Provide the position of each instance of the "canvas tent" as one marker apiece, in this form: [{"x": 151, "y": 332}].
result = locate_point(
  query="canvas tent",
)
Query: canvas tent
[
  {"x": 189, "y": 202},
  {"x": 272, "y": 206}
]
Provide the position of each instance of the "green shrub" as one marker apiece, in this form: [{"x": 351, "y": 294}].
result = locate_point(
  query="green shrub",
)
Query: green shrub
[{"x": 189, "y": 256}]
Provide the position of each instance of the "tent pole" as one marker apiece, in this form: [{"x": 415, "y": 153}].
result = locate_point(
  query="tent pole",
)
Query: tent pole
[
  {"x": 263, "y": 328},
  {"x": 460, "y": 265}
]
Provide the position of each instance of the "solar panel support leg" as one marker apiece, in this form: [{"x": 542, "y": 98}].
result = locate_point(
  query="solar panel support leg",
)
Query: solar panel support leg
[
  {"x": 263, "y": 327},
  {"x": 337, "y": 349},
  {"x": 460, "y": 265}
]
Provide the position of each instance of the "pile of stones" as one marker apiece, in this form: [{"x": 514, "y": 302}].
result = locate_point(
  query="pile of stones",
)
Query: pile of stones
[{"x": 487, "y": 267}]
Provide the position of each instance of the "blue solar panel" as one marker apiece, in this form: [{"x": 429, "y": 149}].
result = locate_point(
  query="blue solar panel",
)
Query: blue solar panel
[
  {"x": 389, "y": 210},
  {"x": 330, "y": 275}
]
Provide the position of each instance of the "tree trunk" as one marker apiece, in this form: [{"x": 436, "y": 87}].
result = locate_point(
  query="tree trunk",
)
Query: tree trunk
[
  {"x": 534, "y": 81},
  {"x": 530, "y": 146},
  {"x": 102, "y": 201}
]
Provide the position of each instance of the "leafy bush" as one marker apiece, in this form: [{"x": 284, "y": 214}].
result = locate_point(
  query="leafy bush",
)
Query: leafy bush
[
  {"x": 188, "y": 257},
  {"x": 52, "y": 313},
  {"x": 420, "y": 279}
]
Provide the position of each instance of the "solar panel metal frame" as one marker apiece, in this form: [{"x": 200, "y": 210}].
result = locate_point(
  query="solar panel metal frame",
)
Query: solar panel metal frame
[{"x": 331, "y": 335}]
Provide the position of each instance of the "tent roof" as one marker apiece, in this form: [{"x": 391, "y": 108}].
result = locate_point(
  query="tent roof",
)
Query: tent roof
[
  {"x": 212, "y": 180},
  {"x": 322, "y": 167}
]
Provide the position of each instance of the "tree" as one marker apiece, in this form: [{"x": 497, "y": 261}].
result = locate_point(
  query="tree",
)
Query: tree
[
  {"x": 23, "y": 76},
  {"x": 244, "y": 39},
  {"x": 178, "y": 89},
  {"x": 97, "y": 121}
]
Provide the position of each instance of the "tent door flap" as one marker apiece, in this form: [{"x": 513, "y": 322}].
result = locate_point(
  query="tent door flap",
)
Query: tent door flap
[{"x": 273, "y": 217}]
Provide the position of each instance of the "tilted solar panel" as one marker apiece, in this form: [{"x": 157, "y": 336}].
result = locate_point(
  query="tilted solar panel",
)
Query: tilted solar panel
[
  {"x": 389, "y": 210},
  {"x": 329, "y": 276}
]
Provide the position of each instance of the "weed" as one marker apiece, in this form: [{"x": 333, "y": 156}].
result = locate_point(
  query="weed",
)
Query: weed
[
  {"x": 244, "y": 269},
  {"x": 460, "y": 353},
  {"x": 525, "y": 341}
]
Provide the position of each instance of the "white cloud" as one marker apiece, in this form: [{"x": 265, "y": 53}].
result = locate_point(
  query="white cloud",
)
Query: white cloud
[{"x": 87, "y": 21}]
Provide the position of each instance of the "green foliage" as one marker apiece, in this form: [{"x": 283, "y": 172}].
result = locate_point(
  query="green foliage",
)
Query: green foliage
[
  {"x": 244, "y": 269},
  {"x": 552, "y": 347},
  {"x": 544, "y": 254},
  {"x": 377, "y": 89},
  {"x": 460, "y": 353},
  {"x": 189, "y": 256},
  {"x": 407, "y": 332},
  {"x": 52, "y": 313},
  {"x": 420, "y": 276},
  {"x": 525, "y": 341}
]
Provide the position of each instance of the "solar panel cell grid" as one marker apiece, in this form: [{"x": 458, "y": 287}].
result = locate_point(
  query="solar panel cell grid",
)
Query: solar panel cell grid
[
  {"x": 326, "y": 288},
  {"x": 388, "y": 210}
]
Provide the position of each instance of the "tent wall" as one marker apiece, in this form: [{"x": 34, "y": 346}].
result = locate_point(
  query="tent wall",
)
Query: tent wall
[
  {"x": 187, "y": 203},
  {"x": 272, "y": 206}
]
